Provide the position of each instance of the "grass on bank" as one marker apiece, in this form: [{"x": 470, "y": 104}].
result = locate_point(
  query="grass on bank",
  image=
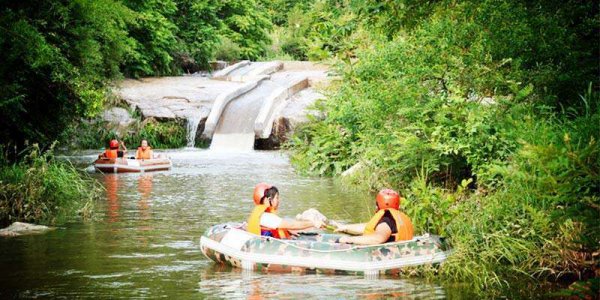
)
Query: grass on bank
[{"x": 39, "y": 189}]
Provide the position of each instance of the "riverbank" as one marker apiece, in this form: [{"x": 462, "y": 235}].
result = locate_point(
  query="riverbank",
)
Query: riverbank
[{"x": 39, "y": 189}]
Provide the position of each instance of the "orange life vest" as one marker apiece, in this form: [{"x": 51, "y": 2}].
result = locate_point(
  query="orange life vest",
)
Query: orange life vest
[
  {"x": 403, "y": 224},
  {"x": 111, "y": 153},
  {"x": 254, "y": 223},
  {"x": 143, "y": 154}
]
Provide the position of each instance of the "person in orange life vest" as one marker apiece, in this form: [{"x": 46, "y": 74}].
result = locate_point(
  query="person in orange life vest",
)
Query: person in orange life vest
[
  {"x": 144, "y": 151},
  {"x": 113, "y": 150},
  {"x": 264, "y": 221},
  {"x": 387, "y": 225}
]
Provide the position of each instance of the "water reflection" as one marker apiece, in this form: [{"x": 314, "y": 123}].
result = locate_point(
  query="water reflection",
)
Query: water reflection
[
  {"x": 145, "y": 190},
  {"x": 111, "y": 183},
  {"x": 231, "y": 283}
]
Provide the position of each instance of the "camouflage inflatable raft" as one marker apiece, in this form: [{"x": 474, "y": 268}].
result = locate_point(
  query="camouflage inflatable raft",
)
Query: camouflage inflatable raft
[{"x": 318, "y": 253}]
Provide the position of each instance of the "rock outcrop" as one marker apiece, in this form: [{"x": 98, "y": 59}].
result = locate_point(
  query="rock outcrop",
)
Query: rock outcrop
[{"x": 19, "y": 228}]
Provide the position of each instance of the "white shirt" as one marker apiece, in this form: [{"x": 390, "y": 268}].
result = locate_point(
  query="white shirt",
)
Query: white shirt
[{"x": 270, "y": 220}]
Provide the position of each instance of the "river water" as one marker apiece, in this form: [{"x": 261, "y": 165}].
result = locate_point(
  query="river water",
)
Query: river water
[{"x": 144, "y": 239}]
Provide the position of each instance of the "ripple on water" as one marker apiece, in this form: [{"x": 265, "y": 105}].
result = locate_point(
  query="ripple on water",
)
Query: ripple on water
[
  {"x": 176, "y": 245},
  {"x": 104, "y": 276},
  {"x": 142, "y": 255}
]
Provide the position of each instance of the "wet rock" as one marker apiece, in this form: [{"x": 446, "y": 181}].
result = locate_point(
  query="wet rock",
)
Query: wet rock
[
  {"x": 20, "y": 228},
  {"x": 117, "y": 116}
]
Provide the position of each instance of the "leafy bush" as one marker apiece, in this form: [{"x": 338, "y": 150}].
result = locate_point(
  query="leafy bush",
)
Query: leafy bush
[
  {"x": 154, "y": 38},
  {"x": 246, "y": 24},
  {"x": 227, "y": 50},
  {"x": 40, "y": 189}
]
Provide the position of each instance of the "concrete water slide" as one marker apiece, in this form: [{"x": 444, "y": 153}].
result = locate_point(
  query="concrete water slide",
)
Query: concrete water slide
[
  {"x": 242, "y": 103},
  {"x": 239, "y": 117}
]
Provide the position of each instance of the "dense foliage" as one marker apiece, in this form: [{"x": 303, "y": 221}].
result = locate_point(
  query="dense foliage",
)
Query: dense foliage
[
  {"x": 41, "y": 189},
  {"x": 56, "y": 56},
  {"x": 486, "y": 116}
]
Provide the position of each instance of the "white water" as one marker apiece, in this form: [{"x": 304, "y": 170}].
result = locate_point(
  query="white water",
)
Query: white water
[
  {"x": 192, "y": 128},
  {"x": 232, "y": 142}
]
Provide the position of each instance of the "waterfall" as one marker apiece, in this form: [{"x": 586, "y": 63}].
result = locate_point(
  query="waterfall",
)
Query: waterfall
[{"x": 192, "y": 128}]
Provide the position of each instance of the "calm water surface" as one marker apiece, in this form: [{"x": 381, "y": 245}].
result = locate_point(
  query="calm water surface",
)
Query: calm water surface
[{"x": 144, "y": 240}]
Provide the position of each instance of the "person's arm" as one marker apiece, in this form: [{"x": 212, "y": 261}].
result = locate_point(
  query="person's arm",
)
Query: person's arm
[
  {"x": 381, "y": 235},
  {"x": 355, "y": 229},
  {"x": 124, "y": 148},
  {"x": 297, "y": 225},
  {"x": 270, "y": 220}
]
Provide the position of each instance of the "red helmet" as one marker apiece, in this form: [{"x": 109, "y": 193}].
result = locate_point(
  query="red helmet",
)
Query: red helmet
[
  {"x": 114, "y": 144},
  {"x": 259, "y": 191},
  {"x": 388, "y": 199}
]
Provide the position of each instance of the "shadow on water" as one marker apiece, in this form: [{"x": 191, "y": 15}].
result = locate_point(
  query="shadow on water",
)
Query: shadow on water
[{"x": 144, "y": 240}]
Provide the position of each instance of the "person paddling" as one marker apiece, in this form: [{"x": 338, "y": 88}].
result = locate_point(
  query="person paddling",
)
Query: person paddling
[
  {"x": 113, "y": 150},
  {"x": 264, "y": 220},
  {"x": 144, "y": 151},
  {"x": 387, "y": 225}
]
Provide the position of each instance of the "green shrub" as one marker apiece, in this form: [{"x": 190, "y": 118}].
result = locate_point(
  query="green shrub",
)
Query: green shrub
[
  {"x": 227, "y": 50},
  {"x": 40, "y": 189}
]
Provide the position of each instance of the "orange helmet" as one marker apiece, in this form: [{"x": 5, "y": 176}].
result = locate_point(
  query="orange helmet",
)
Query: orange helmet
[
  {"x": 259, "y": 191},
  {"x": 114, "y": 144},
  {"x": 388, "y": 199}
]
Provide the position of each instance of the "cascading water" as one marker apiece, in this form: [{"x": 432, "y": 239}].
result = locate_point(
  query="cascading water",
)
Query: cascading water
[{"x": 192, "y": 128}]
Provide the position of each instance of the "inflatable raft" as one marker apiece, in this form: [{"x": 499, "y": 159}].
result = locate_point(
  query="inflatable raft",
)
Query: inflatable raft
[
  {"x": 123, "y": 165},
  {"x": 319, "y": 253}
]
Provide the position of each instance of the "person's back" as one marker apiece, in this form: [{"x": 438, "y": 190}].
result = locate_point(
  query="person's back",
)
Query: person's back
[
  {"x": 113, "y": 151},
  {"x": 399, "y": 224},
  {"x": 389, "y": 224}
]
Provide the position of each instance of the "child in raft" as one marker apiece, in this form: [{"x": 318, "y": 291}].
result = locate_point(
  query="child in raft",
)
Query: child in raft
[
  {"x": 264, "y": 220},
  {"x": 144, "y": 151}
]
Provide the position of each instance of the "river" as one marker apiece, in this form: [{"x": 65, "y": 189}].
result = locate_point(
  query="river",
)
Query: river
[{"x": 144, "y": 239}]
